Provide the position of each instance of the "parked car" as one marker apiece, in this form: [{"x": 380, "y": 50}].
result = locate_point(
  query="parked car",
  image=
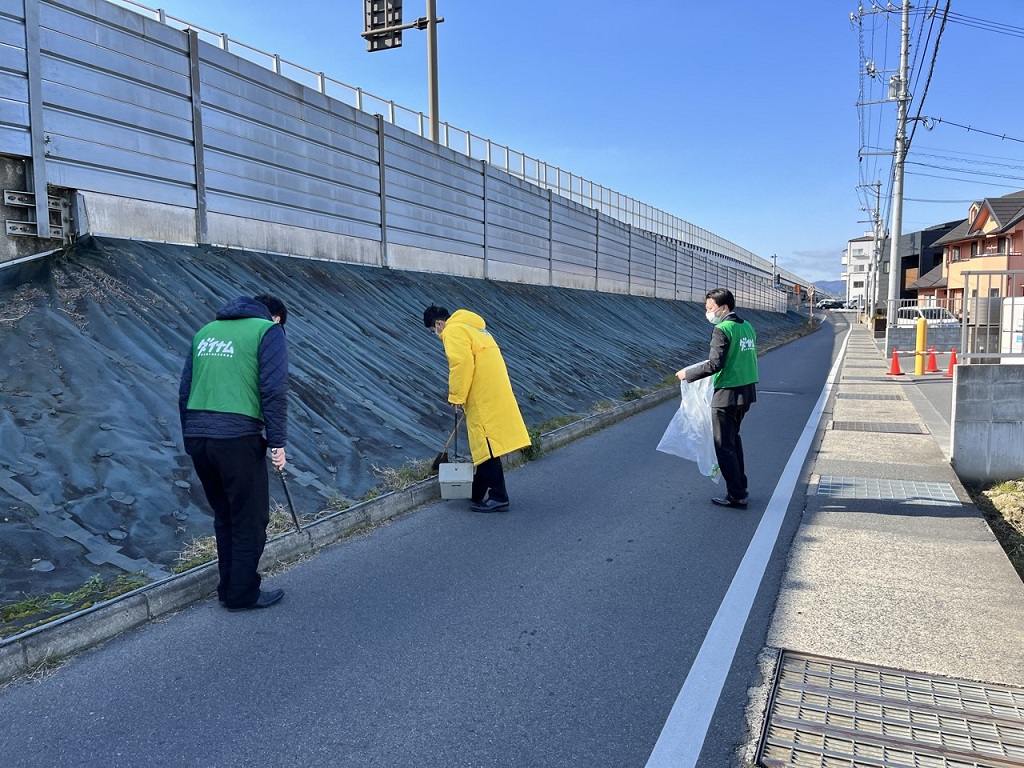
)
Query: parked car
[
  {"x": 907, "y": 317},
  {"x": 830, "y": 304}
]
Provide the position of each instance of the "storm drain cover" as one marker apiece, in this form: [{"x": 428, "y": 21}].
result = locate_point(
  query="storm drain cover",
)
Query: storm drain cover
[
  {"x": 940, "y": 494},
  {"x": 902, "y": 428},
  {"x": 866, "y": 396},
  {"x": 879, "y": 377},
  {"x": 830, "y": 713}
]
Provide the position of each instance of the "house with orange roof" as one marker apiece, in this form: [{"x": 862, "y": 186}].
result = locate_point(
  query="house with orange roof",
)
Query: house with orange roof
[{"x": 991, "y": 238}]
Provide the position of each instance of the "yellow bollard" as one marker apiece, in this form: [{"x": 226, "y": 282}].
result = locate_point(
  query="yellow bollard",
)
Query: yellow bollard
[{"x": 922, "y": 345}]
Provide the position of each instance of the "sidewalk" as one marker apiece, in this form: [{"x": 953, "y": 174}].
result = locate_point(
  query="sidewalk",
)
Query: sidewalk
[{"x": 895, "y": 577}]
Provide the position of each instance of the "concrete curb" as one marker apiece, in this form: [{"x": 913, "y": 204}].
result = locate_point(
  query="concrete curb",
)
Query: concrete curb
[{"x": 22, "y": 653}]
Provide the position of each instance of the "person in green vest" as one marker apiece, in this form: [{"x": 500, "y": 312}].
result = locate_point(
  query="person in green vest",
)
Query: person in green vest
[
  {"x": 234, "y": 387},
  {"x": 733, "y": 363}
]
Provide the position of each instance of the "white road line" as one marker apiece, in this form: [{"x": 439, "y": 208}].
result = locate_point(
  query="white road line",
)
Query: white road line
[{"x": 683, "y": 734}]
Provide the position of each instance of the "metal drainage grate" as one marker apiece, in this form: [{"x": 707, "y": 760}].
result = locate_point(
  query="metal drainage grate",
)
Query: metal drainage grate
[
  {"x": 938, "y": 494},
  {"x": 829, "y": 713},
  {"x": 867, "y": 396},
  {"x": 880, "y": 377},
  {"x": 901, "y": 428}
]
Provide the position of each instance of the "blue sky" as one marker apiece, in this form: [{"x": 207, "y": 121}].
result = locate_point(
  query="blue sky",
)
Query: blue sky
[{"x": 737, "y": 115}]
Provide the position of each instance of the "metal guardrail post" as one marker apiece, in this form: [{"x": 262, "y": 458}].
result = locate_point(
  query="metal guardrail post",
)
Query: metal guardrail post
[
  {"x": 198, "y": 147},
  {"x": 37, "y": 170},
  {"x": 381, "y": 166}
]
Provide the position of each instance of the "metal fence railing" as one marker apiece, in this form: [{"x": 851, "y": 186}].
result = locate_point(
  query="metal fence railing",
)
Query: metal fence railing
[
  {"x": 992, "y": 310},
  {"x": 618, "y": 206},
  {"x": 984, "y": 318}
]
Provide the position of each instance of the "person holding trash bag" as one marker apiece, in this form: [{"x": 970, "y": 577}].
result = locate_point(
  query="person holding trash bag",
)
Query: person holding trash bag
[
  {"x": 233, "y": 386},
  {"x": 478, "y": 384},
  {"x": 733, "y": 363}
]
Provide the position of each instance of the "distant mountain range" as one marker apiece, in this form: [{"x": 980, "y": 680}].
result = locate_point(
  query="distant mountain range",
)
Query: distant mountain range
[{"x": 835, "y": 288}]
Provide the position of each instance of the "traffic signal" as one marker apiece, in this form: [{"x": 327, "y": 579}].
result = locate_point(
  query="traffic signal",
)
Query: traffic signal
[{"x": 382, "y": 15}]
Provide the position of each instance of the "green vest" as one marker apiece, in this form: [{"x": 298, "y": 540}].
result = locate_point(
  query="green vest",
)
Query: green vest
[
  {"x": 740, "y": 367},
  {"x": 225, "y": 367}
]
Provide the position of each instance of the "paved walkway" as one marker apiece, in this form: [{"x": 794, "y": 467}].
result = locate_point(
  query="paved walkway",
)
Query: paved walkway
[{"x": 893, "y": 565}]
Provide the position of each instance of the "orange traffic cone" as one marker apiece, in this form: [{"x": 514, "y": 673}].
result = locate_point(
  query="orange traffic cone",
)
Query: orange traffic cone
[
  {"x": 894, "y": 369},
  {"x": 952, "y": 362},
  {"x": 933, "y": 364}
]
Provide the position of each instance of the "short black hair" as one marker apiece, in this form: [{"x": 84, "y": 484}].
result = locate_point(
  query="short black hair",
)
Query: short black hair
[
  {"x": 722, "y": 297},
  {"x": 432, "y": 314},
  {"x": 274, "y": 305}
]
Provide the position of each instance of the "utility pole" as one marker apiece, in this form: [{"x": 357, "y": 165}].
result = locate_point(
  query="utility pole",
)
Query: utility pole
[
  {"x": 876, "y": 252},
  {"x": 875, "y": 260},
  {"x": 902, "y": 103}
]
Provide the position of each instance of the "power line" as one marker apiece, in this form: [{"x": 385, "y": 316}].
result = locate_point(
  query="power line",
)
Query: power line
[
  {"x": 968, "y": 128},
  {"x": 970, "y": 162},
  {"x": 965, "y": 181},
  {"x": 961, "y": 152},
  {"x": 931, "y": 69},
  {"x": 987, "y": 174},
  {"x": 987, "y": 26},
  {"x": 943, "y": 202},
  {"x": 873, "y": 41}
]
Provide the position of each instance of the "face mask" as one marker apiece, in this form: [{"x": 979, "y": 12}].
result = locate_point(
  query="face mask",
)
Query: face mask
[{"x": 712, "y": 317}]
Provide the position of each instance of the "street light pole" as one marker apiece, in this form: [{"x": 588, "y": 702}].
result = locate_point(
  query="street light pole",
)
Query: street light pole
[
  {"x": 383, "y": 31},
  {"x": 432, "y": 22}
]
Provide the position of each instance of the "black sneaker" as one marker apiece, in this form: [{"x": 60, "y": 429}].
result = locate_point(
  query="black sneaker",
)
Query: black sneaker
[
  {"x": 729, "y": 501},
  {"x": 265, "y": 600},
  {"x": 489, "y": 506}
]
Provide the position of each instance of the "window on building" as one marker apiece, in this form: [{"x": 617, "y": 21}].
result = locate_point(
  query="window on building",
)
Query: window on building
[
  {"x": 858, "y": 283},
  {"x": 1001, "y": 245},
  {"x": 974, "y": 248},
  {"x": 954, "y": 253}
]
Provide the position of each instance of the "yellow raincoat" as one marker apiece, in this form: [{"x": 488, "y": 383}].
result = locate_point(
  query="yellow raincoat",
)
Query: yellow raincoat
[{"x": 478, "y": 381}]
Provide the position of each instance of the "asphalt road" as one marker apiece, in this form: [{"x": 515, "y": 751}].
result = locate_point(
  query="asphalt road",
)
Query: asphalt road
[{"x": 557, "y": 634}]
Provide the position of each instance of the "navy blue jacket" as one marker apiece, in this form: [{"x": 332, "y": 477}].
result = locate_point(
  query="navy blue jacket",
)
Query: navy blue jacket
[{"x": 273, "y": 362}]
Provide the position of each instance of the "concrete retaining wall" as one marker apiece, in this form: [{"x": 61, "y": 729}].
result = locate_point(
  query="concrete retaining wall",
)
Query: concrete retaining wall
[{"x": 988, "y": 423}]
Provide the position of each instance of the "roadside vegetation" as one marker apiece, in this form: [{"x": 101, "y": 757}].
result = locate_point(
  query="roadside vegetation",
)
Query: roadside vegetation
[
  {"x": 1002, "y": 505},
  {"x": 32, "y": 611}
]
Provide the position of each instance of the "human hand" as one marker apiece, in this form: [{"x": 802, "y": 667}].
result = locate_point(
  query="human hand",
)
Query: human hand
[
  {"x": 681, "y": 375},
  {"x": 277, "y": 456}
]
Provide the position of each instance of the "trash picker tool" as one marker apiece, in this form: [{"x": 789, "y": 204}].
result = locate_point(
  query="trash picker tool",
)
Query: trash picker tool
[
  {"x": 442, "y": 457},
  {"x": 288, "y": 495}
]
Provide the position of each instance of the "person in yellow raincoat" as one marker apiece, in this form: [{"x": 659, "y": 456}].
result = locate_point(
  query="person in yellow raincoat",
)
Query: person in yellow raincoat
[{"x": 478, "y": 384}]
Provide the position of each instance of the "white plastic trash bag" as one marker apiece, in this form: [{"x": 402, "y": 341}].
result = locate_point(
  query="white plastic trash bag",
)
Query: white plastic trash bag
[{"x": 689, "y": 435}]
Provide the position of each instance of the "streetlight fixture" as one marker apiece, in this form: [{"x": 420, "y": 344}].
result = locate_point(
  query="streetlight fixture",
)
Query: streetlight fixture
[{"x": 383, "y": 30}]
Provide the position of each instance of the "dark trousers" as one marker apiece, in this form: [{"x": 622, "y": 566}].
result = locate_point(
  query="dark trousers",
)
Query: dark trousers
[
  {"x": 729, "y": 448},
  {"x": 489, "y": 479},
  {"x": 234, "y": 477}
]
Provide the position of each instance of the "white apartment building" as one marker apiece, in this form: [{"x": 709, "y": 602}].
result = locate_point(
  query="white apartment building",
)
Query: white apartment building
[{"x": 856, "y": 263}]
